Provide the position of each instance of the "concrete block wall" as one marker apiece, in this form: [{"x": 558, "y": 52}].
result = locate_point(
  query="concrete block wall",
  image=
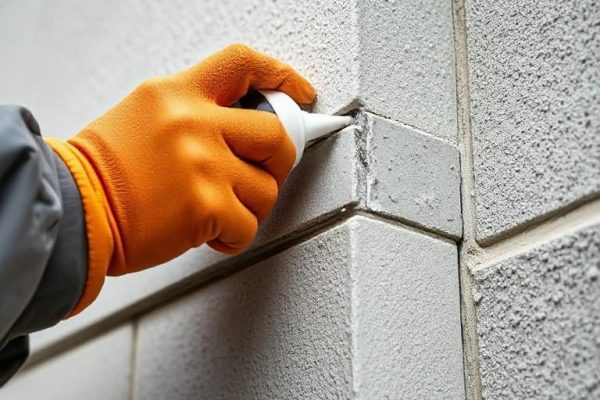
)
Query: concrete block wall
[
  {"x": 529, "y": 131},
  {"x": 98, "y": 369},
  {"x": 446, "y": 246},
  {"x": 535, "y": 110},
  {"x": 539, "y": 320}
]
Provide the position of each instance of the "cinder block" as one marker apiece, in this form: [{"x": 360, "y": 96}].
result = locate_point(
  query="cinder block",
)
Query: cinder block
[
  {"x": 539, "y": 321},
  {"x": 534, "y": 69},
  {"x": 406, "y": 63},
  {"x": 96, "y": 370},
  {"x": 365, "y": 310},
  {"x": 406, "y": 309},
  {"x": 380, "y": 166},
  {"x": 413, "y": 176},
  {"x": 395, "y": 59}
]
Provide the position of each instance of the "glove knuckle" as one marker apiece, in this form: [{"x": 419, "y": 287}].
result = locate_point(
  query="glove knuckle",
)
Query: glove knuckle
[
  {"x": 239, "y": 48},
  {"x": 152, "y": 90},
  {"x": 179, "y": 125},
  {"x": 211, "y": 203},
  {"x": 240, "y": 52}
]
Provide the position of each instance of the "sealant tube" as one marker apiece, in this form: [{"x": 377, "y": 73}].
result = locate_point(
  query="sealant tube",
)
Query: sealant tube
[{"x": 301, "y": 126}]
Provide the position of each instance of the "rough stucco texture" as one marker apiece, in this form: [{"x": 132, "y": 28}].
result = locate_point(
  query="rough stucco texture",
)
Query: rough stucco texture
[
  {"x": 406, "y": 312},
  {"x": 334, "y": 317},
  {"x": 539, "y": 321},
  {"x": 534, "y": 69},
  {"x": 407, "y": 63},
  {"x": 72, "y": 61},
  {"x": 96, "y": 370}
]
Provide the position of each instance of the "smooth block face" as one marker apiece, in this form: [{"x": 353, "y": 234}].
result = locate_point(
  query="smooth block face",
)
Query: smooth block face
[
  {"x": 413, "y": 176},
  {"x": 96, "y": 370},
  {"x": 539, "y": 321},
  {"x": 534, "y": 69},
  {"x": 351, "y": 313}
]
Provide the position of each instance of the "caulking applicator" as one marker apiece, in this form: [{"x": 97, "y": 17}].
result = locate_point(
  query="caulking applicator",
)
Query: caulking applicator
[{"x": 301, "y": 126}]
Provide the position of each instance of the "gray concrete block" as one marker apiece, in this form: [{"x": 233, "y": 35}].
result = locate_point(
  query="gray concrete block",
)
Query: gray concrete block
[
  {"x": 414, "y": 177},
  {"x": 396, "y": 59},
  {"x": 534, "y": 68},
  {"x": 406, "y": 63},
  {"x": 406, "y": 305},
  {"x": 96, "y": 370},
  {"x": 539, "y": 321},
  {"x": 365, "y": 310}
]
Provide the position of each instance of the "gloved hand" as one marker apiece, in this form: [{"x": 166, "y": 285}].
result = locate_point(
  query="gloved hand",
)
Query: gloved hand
[{"x": 171, "y": 166}]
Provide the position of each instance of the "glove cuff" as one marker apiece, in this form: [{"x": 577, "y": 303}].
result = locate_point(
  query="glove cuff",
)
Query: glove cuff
[{"x": 98, "y": 220}]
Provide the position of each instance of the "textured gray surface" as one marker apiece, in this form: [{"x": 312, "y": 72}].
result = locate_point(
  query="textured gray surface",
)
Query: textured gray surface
[
  {"x": 73, "y": 62},
  {"x": 406, "y": 312},
  {"x": 406, "y": 63},
  {"x": 539, "y": 321},
  {"x": 410, "y": 177},
  {"x": 534, "y": 69},
  {"x": 96, "y": 370},
  {"x": 413, "y": 176},
  {"x": 366, "y": 310},
  {"x": 277, "y": 330}
]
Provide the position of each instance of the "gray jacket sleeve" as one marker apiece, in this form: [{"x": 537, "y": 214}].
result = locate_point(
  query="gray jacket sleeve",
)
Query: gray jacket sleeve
[{"x": 43, "y": 254}]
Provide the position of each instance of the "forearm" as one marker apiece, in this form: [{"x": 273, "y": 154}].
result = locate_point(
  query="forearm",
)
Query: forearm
[{"x": 43, "y": 256}]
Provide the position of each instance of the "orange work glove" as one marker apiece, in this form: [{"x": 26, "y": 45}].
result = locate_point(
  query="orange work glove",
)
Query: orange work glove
[{"x": 171, "y": 166}]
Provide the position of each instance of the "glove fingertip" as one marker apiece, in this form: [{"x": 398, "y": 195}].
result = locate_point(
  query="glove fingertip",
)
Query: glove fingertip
[{"x": 299, "y": 89}]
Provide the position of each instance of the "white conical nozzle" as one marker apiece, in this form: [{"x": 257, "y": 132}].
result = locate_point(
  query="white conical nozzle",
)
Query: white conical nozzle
[
  {"x": 317, "y": 125},
  {"x": 301, "y": 126}
]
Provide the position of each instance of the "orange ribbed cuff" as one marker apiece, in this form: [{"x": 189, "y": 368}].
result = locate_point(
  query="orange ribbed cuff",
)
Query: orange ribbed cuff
[{"x": 98, "y": 232}]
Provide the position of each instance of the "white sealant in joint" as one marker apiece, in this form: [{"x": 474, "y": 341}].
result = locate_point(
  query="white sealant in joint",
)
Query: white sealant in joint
[{"x": 301, "y": 126}]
